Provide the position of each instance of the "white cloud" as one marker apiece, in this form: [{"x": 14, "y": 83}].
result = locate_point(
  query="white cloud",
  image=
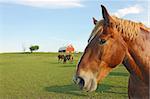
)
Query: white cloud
[
  {"x": 136, "y": 9},
  {"x": 52, "y": 4}
]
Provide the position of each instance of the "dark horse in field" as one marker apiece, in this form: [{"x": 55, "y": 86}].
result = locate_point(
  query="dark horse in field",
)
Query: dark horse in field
[
  {"x": 65, "y": 58},
  {"x": 114, "y": 41},
  {"x": 60, "y": 57}
]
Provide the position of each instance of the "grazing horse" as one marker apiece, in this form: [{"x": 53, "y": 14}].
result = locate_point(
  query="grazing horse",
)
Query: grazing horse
[
  {"x": 65, "y": 58},
  {"x": 60, "y": 57},
  {"x": 114, "y": 41},
  {"x": 69, "y": 58}
]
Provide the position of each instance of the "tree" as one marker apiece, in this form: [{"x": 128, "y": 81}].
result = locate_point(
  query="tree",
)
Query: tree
[{"x": 34, "y": 48}]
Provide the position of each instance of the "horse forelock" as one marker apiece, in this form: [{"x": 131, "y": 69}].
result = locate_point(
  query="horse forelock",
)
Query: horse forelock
[
  {"x": 127, "y": 28},
  {"x": 98, "y": 28}
]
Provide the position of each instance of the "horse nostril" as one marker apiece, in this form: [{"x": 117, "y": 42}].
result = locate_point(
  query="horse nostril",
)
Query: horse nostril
[{"x": 81, "y": 82}]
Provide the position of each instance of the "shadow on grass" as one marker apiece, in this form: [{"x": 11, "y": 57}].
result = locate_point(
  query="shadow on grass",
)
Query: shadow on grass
[
  {"x": 73, "y": 90},
  {"x": 116, "y": 92},
  {"x": 118, "y": 74},
  {"x": 104, "y": 88},
  {"x": 66, "y": 89}
]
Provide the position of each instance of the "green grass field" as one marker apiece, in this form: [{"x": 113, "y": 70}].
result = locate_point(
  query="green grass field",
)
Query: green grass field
[{"x": 40, "y": 76}]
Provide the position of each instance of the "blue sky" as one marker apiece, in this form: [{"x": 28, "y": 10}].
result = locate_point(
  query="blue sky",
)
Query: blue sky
[{"x": 55, "y": 23}]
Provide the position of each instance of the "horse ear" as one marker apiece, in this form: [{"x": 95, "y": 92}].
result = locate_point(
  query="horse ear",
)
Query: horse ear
[
  {"x": 94, "y": 21},
  {"x": 105, "y": 14}
]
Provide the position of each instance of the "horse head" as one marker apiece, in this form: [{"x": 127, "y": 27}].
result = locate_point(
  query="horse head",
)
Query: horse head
[{"x": 105, "y": 50}]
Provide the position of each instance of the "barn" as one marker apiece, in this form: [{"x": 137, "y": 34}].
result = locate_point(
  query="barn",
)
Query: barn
[{"x": 67, "y": 49}]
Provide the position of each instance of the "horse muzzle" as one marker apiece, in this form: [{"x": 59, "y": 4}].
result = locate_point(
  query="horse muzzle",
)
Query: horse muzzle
[{"x": 85, "y": 84}]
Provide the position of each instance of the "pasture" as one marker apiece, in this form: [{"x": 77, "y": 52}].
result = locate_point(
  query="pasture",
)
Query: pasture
[{"x": 40, "y": 76}]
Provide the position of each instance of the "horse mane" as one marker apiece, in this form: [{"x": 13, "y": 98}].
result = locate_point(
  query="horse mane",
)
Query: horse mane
[{"x": 127, "y": 28}]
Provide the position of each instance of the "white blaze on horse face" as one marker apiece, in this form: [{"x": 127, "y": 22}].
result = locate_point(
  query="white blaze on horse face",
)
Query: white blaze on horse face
[
  {"x": 91, "y": 38},
  {"x": 96, "y": 30}
]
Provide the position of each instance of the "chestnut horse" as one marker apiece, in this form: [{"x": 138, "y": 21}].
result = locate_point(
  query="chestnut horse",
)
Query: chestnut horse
[{"x": 114, "y": 41}]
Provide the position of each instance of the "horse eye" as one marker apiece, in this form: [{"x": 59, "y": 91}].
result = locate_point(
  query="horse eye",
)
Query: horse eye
[{"x": 102, "y": 41}]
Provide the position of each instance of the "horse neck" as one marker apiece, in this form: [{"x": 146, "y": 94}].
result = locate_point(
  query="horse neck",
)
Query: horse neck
[{"x": 137, "y": 60}]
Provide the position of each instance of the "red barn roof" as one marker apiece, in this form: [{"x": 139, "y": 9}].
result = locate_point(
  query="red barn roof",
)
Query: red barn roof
[
  {"x": 70, "y": 48},
  {"x": 67, "y": 49}
]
